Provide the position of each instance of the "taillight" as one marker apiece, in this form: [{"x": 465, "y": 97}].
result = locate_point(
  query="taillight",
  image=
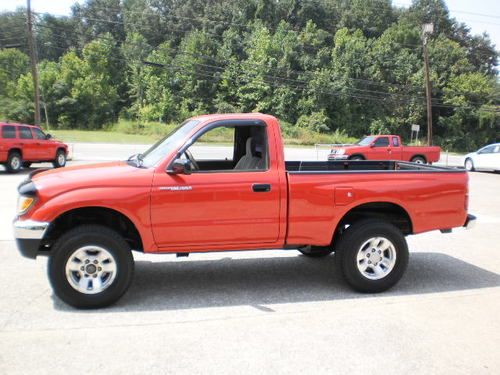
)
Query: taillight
[{"x": 466, "y": 203}]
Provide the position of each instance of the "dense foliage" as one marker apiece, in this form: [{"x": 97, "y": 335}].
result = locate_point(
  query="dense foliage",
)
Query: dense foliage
[{"x": 350, "y": 66}]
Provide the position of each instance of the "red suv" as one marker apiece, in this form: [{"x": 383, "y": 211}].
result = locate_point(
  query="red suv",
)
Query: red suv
[{"x": 21, "y": 145}]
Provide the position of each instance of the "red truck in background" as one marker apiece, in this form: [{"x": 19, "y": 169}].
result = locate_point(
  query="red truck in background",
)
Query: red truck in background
[
  {"x": 176, "y": 199},
  {"x": 386, "y": 147},
  {"x": 21, "y": 145}
]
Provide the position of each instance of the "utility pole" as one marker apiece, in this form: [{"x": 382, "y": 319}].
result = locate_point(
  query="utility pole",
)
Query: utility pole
[
  {"x": 34, "y": 71},
  {"x": 427, "y": 30}
]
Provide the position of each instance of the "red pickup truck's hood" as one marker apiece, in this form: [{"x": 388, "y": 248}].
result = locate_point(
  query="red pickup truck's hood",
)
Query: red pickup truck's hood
[{"x": 112, "y": 174}]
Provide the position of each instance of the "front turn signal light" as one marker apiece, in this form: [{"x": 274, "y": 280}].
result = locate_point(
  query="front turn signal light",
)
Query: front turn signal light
[{"x": 24, "y": 204}]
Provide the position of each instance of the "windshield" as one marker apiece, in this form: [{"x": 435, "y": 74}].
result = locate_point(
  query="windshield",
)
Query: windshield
[
  {"x": 365, "y": 141},
  {"x": 164, "y": 146}
]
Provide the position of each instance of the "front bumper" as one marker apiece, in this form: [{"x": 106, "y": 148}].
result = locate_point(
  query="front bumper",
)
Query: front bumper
[
  {"x": 29, "y": 235},
  {"x": 333, "y": 157},
  {"x": 470, "y": 222}
]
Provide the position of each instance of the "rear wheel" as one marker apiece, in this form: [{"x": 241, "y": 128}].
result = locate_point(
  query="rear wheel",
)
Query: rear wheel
[
  {"x": 14, "y": 162},
  {"x": 90, "y": 267},
  {"x": 372, "y": 255},
  {"x": 469, "y": 165},
  {"x": 418, "y": 160},
  {"x": 60, "y": 160}
]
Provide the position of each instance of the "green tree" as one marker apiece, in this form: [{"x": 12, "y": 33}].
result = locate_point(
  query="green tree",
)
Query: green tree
[{"x": 135, "y": 50}]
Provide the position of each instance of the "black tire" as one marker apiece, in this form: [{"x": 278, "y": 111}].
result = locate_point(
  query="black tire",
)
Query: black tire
[
  {"x": 350, "y": 245},
  {"x": 356, "y": 158},
  {"x": 90, "y": 235},
  {"x": 469, "y": 165},
  {"x": 14, "y": 162},
  {"x": 418, "y": 160},
  {"x": 316, "y": 252},
  {"x": 60, "y": 160},
  {"x": 26, "y": 164}
]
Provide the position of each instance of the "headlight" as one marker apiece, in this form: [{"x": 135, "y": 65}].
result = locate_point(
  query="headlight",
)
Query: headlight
[
  {"x": 341, "y": 151},
  {"x": 24, "y": 203}
]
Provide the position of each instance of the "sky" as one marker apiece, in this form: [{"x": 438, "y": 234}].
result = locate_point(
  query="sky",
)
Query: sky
[{"x": 480, "y": 15}]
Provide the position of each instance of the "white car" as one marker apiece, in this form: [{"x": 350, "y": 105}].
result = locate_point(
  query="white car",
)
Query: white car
[{"x": 486, "y": 158}]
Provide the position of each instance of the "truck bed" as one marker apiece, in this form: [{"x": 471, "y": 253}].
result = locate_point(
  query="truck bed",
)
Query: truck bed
[
  {"x": 363, "y": 166},
  {"x": 322, "y": 192}
]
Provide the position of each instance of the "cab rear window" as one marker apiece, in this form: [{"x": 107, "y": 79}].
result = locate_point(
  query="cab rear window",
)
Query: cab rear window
[{"x": 8, "y": 131}]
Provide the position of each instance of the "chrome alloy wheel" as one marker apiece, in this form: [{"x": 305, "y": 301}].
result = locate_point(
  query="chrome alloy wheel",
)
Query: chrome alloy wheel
[
  {"x": 469, "y": 165},
  {"x": 91, "y": 269},
  {"x": 61, "y": 159},
  {"x": 376, "y": 258},
  {"x": 15, "y": 163}
]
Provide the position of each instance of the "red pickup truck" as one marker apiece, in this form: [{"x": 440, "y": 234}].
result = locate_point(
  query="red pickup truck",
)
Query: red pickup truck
[
  {"x": 385, "y": 147},
  {"x": 179, "y": 198},
  {"x": 21, "y": 145}
]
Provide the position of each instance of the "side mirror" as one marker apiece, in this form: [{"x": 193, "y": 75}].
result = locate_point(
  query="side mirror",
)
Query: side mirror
[
  {"x": 372, "y": 145},
  {"x": 48, "y": 136},
  {"x": 181, "y": 166}
]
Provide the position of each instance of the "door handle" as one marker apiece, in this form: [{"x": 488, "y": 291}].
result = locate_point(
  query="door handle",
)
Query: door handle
[{"x": 261, "y": 188}]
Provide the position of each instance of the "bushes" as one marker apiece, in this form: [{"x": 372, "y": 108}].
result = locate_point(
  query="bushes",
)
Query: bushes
[
  {"x": 295, "y": 135},
  {"x": 142, "y": 128},
  {"x": 316, "y": 121}
]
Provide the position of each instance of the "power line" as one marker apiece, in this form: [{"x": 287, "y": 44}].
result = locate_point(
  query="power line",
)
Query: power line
[
  {"x": 276, "y": 69},
  {"x": 246, "y": 62},
  {"x": 240, "y": 63},
  {"x": 298, "y": 85}
]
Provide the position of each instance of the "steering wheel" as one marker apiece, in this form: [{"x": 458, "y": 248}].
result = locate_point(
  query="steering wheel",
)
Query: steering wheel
[{"x": 190, "y": 157}]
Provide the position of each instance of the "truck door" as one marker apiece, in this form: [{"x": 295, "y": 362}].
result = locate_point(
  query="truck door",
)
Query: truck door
[
  {"x": 381, "y": 149},
  {"x": 28, "y": 144},
  {"x": 232, "y": 195},
  {"x": 45, "y": 148}
]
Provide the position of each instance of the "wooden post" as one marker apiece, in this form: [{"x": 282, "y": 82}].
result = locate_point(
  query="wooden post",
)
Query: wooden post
[
  {"x": 427, "y": 30},
  {"x": 34, "y": 71}
]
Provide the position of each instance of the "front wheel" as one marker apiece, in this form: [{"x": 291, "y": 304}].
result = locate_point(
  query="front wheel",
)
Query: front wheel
[
  {"x": 356, "y": 158},
  {"x": 418, "y": 160},
  {"x": 90, "y": 266},
  {"x": 60, "y": 160},
  {"x": 372, "y": 255}
]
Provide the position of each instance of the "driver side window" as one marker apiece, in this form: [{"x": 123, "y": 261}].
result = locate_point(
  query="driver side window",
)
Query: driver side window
[
  {"x": 39, "y": 134},
  {"x": 235, "y": 148},
  {"x": 381, "y": 142},
  {"x": 215, "y": 144}
]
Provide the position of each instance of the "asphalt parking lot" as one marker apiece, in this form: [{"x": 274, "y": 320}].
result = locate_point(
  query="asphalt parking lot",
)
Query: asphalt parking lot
[{"x": 271, "y": 312}]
